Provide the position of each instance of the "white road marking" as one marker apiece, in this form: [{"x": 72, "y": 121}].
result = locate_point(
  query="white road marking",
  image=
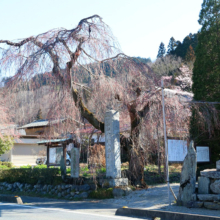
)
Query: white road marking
[{"x": 64, "y": 210}]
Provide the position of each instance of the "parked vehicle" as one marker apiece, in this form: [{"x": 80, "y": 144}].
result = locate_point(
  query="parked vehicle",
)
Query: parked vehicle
[{"x": 41, "y": 160}]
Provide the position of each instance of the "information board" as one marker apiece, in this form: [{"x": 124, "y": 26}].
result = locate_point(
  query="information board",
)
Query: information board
[
  {"x": 202, "y": 154},
  {"x": 55, "y": 155},
  {"x": 52, "y": 154},
  {"x": 177, "y": 150}
]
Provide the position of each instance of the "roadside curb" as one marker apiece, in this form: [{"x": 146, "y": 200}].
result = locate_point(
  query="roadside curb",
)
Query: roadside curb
[
  {"x": 164, "y": 215},
  {"x": 11, "y": 199}
]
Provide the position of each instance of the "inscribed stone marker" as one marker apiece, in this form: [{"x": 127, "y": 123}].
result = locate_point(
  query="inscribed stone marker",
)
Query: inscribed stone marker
[
  {"x": 188, "y": 177},
  {"x": 74, "y": 162},
  {"x": 112, "y": 144}
]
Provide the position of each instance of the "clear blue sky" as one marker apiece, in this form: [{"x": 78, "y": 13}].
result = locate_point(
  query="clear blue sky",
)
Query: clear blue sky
[{"x": 139, "y": 25}]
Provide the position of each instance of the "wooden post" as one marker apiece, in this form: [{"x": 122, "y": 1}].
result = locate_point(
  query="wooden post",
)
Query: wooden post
[
  {"x": 48, "y": 155},
  {"x": 165, "y": 142}
]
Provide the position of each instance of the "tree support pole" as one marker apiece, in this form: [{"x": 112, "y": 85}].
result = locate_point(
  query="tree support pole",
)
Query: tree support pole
[{"x": 165, "y": 141}]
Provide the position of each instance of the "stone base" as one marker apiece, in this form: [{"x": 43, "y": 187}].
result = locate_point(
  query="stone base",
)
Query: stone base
[
  {"x": 208, "y": 197},
  {"x": 203, "y": 185},
  {"x": 194, "y": 204},
  {"x": 210, "y": 173},
  {"x": 211, "y": 205},
  {"x": 113, "y": 182}
]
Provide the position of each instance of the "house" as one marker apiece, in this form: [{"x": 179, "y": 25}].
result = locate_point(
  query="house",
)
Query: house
[
  {"x": 26, "y": 150},
  {"x": 42, "y": 127}
]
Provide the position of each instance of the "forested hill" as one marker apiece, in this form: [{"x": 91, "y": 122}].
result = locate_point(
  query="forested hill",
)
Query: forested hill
[
  {"x": 180, "y": 49},
  {"x": 80, "y": 73}
]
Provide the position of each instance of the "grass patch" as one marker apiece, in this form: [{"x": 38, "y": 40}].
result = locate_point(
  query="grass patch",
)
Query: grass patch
[
  {"x": 101, "y": 194},
  {"x": 152, "y": 177}
]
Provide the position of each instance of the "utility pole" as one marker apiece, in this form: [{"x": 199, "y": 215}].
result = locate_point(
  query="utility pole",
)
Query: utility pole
[{"x": 165, "y": 141}]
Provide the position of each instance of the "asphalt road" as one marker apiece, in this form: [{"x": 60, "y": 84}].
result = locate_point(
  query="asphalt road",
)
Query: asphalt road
[{"x": 24, "y": 212}]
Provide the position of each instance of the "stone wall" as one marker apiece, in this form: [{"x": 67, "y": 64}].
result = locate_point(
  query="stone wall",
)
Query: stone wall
[
  {"x": 63, "y": 191},
  {"x": 208, "y": 195},
  {"x": 67, "y": 191}
]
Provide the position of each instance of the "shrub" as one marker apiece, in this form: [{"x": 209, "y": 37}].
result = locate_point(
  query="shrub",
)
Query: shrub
[
  {"x": 85, "y": 174},
  {"x": 6, "y": 164},
  {"x": 102, "y": 170},
  {"x": 68, "y": 170},
  {"x": 84, "y": 169},
  {"x": 102, "y": 194},
  {"x": 41, "y": 166},
  {"x": 29, "y": 175},
  {"x": 26, "y": 167},
  {"x": 6, "y": 143},
  {"x": 4, "y": 167}
]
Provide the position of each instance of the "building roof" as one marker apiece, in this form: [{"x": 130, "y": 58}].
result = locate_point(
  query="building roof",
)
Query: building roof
[
  {"x": 54, "y": 141},
  {"x": 41, "y": 123}
]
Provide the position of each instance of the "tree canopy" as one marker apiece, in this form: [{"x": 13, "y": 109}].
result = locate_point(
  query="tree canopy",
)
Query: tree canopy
[
  {"x": 181, "y": 48},
  {"x": 161, "y": 51},
  {"x": 171, "y": 46},
  {"x": 206, "y": 77},
  {"x": 90, "y": 47},
  {"x": 6, "y": 143}
]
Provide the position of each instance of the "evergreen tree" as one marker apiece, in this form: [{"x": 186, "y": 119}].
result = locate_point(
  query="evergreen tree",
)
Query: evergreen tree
[
  {"x": 206, "y": 71},
  {"x": 171, "y": 46},
  {"x": 190, "y": 54},
  {"x": 39, "y": 115},
  {"x": 161, "y": 51},
  {"x": 181, "y": 48}
]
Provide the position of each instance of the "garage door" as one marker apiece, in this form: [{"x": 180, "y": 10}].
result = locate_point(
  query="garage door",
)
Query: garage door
[{"x": 26, "y": 154}]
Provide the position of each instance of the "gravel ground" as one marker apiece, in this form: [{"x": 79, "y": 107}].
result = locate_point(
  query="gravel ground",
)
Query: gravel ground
[{"x": 156, "y": 197}]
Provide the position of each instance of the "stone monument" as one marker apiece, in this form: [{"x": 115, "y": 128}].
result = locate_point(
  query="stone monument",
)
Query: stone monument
[
  {"x": 74, "y": 162},
  {"x": 188, "y": 177},
  {"x": 218, "y": 165},
  {"x": 112, "y": 149},
  {"x": 62, "y": 167}
]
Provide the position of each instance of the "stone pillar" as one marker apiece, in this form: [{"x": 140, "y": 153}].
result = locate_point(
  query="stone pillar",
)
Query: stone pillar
[
  {"x": 188, "y": 177},
  {"x": 218, "y": 165},
  {"x": 63, "y": 166},
  {"x": 112, "y": 144},
  {"x": 74, "y": 162}
]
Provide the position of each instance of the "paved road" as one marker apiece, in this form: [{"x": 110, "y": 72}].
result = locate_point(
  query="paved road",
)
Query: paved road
[
  {"x": 52, "y": 209},
  {"x": 41, "y": 208},
  {"x": 23, "y": 212}
]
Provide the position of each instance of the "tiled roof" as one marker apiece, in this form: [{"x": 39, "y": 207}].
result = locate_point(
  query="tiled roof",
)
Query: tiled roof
[{"x": 41, "y": 123}]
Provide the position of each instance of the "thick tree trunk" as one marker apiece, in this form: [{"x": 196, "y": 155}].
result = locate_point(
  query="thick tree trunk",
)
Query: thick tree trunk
[
  {"x": 136, "y": 151},
  {"x": 136, "y": 161}
]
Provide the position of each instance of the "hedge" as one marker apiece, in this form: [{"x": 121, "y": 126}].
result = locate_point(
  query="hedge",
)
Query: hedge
[
  {"x": 7, "y": 164},
  {"x": 29, "y": 175}
]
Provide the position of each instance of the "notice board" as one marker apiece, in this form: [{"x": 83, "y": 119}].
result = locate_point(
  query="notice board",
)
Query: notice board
[
  {"x": 177, "y": 150},
  {"x": 202, "y": 154}
]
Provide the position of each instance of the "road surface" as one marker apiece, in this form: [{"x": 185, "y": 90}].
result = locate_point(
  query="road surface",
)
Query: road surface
[{"x": 24, "y": 212}]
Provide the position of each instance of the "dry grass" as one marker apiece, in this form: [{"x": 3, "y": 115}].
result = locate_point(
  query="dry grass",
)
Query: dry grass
[{"x": 97, "y": 155}]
